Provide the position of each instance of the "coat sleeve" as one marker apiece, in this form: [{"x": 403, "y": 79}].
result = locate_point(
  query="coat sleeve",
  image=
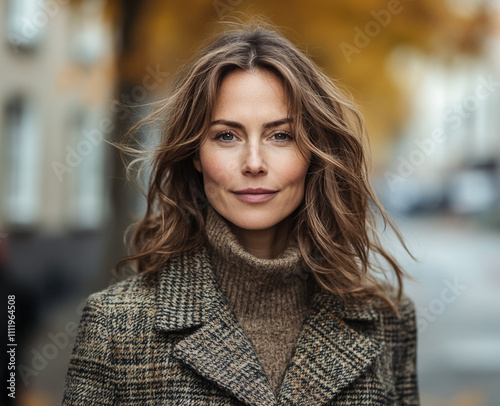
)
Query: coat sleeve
[
  {"x": 90, "y": 379},
  {"x": 406, "y": 360}
]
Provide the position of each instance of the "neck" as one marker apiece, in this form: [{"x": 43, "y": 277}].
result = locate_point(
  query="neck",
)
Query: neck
[
  {"x": 256, "y": 286},
  {"x": 266, "y": 243}
]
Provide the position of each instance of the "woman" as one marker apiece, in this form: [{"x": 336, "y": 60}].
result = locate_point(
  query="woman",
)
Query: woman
[{"x": 256, "y": 280}]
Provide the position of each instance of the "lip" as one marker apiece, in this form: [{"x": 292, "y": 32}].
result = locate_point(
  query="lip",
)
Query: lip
[
  {"x": 258, "y": 195},
  {"x": 250, "y": 190}
]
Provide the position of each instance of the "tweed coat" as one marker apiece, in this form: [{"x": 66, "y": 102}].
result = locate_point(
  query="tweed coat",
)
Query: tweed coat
[{"x": 170, "y": 338}]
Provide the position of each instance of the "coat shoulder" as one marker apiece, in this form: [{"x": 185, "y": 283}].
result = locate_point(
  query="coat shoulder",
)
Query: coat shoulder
[
  {"x": 129, "y": 305},
  {"x": 399, "y": 328},
  {"x": 135, "y": 289},
  {"x": 406, "y": 311}
]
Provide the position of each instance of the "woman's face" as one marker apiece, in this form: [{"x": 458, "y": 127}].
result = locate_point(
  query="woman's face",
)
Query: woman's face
[{"x": 253, "y": 173}]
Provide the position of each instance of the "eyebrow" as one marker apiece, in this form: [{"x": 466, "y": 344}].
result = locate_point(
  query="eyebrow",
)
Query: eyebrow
[{"x": 235, "y": 124}]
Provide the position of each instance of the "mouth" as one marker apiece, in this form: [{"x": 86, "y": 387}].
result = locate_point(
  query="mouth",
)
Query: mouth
[
  {"x": 255, "y": 195},
  {"x": 251, "y": 191}
]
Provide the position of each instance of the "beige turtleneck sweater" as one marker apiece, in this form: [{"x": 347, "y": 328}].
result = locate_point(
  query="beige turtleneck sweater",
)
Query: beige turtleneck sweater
[{"x": 270, "y": 297}]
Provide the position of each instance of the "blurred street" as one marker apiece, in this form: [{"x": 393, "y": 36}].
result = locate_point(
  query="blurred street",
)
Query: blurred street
[{"x": 458, "y": 301}]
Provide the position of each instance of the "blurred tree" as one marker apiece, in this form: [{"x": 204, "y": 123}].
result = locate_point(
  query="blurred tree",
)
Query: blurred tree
[{"x": 349, "y": 40}]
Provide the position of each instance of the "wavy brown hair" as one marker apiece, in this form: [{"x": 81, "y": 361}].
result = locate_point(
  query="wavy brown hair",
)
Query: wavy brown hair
[{"x": 335, "y": 223}]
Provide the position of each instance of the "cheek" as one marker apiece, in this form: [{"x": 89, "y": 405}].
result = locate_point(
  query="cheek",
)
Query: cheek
[
  {"x": 294, "y": 173},
  {"x": 216, "y": 173},
  {"x": 297, "y": 180}
]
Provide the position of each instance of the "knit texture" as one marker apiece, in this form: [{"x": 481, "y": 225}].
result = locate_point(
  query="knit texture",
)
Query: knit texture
[{"x": 269, "y": 297}]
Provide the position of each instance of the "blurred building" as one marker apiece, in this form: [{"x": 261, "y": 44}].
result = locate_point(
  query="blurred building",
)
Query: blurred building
[
  {"x": 57, "y": 80},
  {"x": 447, "y": 156},
  {"x": 56, "y": 83}
]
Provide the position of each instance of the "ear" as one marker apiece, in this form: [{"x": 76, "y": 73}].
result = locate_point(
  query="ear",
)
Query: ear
[{"x": 197, "y": 162}]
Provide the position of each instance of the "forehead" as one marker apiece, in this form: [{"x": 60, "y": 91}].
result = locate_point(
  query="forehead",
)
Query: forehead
[{"x": 257, "y": 91}]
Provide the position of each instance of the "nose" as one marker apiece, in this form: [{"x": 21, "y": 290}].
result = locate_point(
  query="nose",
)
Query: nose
[{"x": 254, "y": 162}]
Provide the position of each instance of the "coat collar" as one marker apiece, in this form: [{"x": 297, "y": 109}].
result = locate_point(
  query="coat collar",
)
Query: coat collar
[{"x": 188, "y": 296}]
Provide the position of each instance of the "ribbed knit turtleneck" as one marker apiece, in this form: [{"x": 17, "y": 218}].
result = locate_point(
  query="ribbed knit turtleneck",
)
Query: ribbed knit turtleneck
[{"x": 270, "y": 297}]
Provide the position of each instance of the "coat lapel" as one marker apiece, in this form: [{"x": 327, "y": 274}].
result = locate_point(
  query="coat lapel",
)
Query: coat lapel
[
  {"x": 188, "y": 296},
  {"x": 329, "y": 354}
]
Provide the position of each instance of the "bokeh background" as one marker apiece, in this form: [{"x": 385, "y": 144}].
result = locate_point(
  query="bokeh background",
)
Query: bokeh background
[{"x": 426, "y": 74}]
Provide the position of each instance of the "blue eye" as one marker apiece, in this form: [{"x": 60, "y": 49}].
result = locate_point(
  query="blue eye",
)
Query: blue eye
[
  {"x": 282, "y": 136},
  {"x": 225, "y": 136}
]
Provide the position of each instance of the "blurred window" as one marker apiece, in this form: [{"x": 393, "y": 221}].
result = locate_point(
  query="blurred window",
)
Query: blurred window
[
  {"x": 21, "y": 139},
  {"x": 89, "y": 201},
  {"x": 90, "y": 41},
  {"x": 26, "y": 21}
]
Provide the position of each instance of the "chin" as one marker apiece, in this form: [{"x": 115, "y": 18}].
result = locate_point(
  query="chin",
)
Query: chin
[
  {"x": 254, "y": 219},
  {"x": 254, "y": 226}
]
